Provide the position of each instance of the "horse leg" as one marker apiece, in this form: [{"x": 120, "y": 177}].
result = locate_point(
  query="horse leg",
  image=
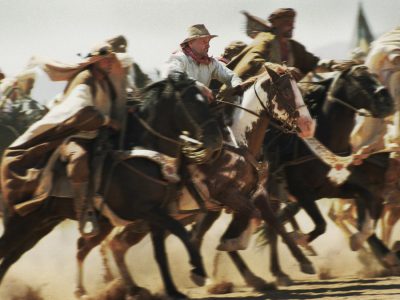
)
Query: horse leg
[
  {"x": 337, "y": 214},
  {"x": 108, "y": 275},
  {"x": 384, "y": 224},
  {"x": 202, "y": 225},
  {"x": 268, "y": 215},
  {"x": 85, "y": 245},
  {"x": 252, "y": 280},
  {"x": 163, "y": 220},
  {"x": 382, "y": 253},
  {"x": 390, "y": 216},
  {"x": 19, "y": 237},
  {"x": 119, "y": 245},
  {"x": 158, "y": 239},
  {"x": 364, "y": 224},
  {"x": 288, "y": 212},
  {"x": 237, "y": 235},
  {"x": 275, "y": 268},
  {"x": 298, "y": 233},
  {"x": 313, "y": 211}
]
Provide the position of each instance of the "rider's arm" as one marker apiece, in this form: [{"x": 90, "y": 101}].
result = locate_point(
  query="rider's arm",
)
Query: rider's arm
[{"x": 224, "y": 75}]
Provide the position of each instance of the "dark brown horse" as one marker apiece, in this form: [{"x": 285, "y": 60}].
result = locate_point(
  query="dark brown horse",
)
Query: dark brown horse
[
  {"x": 335, "y": 101},
  {"x": 135, "y": 184},
  {"x": 237, "y": 175}
]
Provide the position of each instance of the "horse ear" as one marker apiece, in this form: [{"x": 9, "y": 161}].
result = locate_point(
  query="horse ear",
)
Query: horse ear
[{"x": 274, "y": 76}]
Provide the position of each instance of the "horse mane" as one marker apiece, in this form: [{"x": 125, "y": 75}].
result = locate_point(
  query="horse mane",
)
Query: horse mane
[
  {"x": 163, "y": 89},
  {"x": 314, "y": 93}
]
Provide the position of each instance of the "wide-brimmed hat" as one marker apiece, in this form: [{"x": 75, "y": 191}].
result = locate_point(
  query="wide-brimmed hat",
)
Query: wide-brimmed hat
[
  {"x": 60, "y": 71},
  {"x": 197, "y": 31}
]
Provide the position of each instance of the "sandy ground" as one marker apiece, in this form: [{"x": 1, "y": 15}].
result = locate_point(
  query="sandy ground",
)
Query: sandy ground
[{"x": 50, "y": 269}]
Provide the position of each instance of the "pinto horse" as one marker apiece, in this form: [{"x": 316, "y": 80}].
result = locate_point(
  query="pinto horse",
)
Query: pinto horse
[
  {"x": 335, "y": 102},
  {"x": 237, "y": 174},
  {"x": 136, "y": 184}
]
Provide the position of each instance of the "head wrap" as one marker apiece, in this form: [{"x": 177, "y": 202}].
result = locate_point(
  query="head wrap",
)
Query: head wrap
[{"x": 281, "y": 13}]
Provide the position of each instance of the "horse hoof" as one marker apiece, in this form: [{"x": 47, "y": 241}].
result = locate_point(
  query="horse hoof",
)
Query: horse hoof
[
  {"x": 80, "y": 293},
  {"x": 391, "y": 260},
  {"x": 284, "y": 280},
  {"x": 307, "y": 268},
  {"x": 257, "y": 283},
  {"x": 199, "y": 280},
  {"x": 356, "y": 242},
  {"x": 139, "y": 294},
  {"x": 220, "y": 288}
]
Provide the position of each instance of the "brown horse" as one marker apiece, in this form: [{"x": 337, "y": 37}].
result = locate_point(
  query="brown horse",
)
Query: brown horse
[
  {"x": 237, "y": 174},
  {"x": 136, "y": 184}
]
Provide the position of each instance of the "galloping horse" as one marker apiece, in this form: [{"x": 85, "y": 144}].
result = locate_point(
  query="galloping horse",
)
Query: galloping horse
[
  {"x": 135, "y": 184},
  {"x": 383, "y": 60},
  {"x": 336, "y": 102},
  {"x": 237, "y": 174}
]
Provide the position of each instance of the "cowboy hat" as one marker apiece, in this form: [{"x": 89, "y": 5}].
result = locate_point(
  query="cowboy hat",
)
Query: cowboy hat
[{"x": 197, "y": 31}]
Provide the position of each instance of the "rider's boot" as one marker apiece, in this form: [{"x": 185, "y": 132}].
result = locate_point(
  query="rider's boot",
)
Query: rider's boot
[{"x": 85, "y": 212}]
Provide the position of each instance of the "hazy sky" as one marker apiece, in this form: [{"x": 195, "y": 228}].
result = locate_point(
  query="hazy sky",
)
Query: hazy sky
[{"x": 154, "y": 28}]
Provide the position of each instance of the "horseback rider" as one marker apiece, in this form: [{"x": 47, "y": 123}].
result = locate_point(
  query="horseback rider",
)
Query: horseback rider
[
  {"x": 230, "y": 51},
  {"x": 274, "y": 43},
  {"x": 94, "y": 93},
  {"x": 18, "y": 109},
  {"x": 193, "y": 59},
  {"x": 383, "y": 59}
]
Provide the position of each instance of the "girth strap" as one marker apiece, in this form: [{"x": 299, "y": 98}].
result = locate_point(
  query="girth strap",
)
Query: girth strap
[{"x": 168, "y": 164}]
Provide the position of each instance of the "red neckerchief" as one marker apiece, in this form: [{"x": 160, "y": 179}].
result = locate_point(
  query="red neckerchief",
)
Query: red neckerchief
[
  {"x": 223, "y": 60},
  {"x": 199, "y": 60}
]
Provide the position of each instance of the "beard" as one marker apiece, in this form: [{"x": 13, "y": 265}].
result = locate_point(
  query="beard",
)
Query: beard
[{"x": 201, "y": 54}]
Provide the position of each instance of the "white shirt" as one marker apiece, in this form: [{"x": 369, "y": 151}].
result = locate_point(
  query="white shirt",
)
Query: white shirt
[{"x": 201, "y": 72}]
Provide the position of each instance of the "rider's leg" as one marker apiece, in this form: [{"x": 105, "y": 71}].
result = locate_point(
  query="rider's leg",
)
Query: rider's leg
[
  {"x": 392, "y": 176},
  {"x": 76, "y": 153}
]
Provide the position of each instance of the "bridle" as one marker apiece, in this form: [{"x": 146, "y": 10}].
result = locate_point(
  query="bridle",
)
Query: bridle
[
  {"x": 289, "y": 125},
  {"x": 361, "y": 90},
  {"x": 192, "y": 148}
]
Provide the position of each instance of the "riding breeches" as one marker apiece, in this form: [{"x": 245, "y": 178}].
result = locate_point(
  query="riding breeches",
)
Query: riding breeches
[
  {"x": 76, "y": 153},
  {"x": 394, "y": 89}
]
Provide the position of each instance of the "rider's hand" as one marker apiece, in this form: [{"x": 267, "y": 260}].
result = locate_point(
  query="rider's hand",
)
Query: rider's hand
[
  {"x": 296, "y": 73},
  {"x": 208, "y": 94},
  {"x": 205, "y": 91},
  {"x": 111, "y": 123}
]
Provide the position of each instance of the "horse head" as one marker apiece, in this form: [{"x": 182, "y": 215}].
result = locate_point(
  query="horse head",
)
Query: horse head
[
  {"x": 289, "y": 107},
  {"x": 357, "y": 88},
  {"x": 178, "y": 119}
]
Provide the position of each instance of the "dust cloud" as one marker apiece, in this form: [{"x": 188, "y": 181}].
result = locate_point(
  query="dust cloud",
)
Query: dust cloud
[{"x": 50, "y": 267}]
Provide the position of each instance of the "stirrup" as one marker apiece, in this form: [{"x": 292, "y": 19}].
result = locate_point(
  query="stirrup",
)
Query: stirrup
[{"x": 88, "y": 225}]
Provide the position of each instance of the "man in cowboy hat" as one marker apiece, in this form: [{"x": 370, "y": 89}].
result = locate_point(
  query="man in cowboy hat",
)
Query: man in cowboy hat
[
  {"x": 193, "y": 59},
  {"x": 274, "y": 43},
  {"x": 89, "y": 103}
]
